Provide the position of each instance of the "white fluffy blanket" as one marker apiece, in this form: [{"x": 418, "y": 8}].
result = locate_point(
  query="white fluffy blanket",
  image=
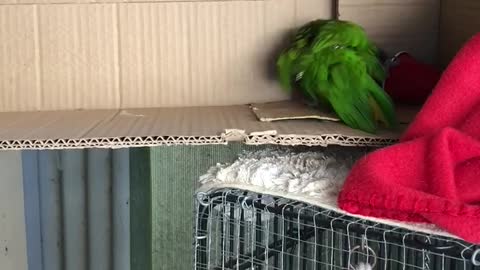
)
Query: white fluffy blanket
[
  {"x": 308, "y": 173},
  {"x": 311, "y": 177}
]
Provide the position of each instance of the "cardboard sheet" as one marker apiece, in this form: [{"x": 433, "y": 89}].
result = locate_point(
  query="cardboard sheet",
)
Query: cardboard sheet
[
  {"x": 398, "y": 25},
  {"x": 69, "y": 55},
  {"x": 160, "y": 126},
  {"x": 458, "y": 23}
]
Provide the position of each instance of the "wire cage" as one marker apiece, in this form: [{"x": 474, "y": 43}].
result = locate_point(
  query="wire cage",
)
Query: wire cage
[{"x": 237, "y": 229}]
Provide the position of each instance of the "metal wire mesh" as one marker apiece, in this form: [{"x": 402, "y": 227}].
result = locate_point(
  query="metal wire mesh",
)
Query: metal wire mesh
[{"x": 237, "y": 229}]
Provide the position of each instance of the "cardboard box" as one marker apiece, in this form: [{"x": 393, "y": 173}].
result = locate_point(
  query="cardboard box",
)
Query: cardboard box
[
  {"x": 128, "y": 73},
  {"x": 110, "y": 74}
]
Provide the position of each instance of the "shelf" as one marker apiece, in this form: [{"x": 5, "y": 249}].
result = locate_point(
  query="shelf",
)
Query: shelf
[{"x": 171, "y": 126}]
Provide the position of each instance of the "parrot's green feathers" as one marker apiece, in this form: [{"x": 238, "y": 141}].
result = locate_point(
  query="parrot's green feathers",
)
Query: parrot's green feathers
[
  {"x": 374, "y": 67},
  {"x": 284, "y": 69},
  {"x": 340, "y": 33},
  {"x": 335, "y": 61},
  {"x": 348, "y": 95}
]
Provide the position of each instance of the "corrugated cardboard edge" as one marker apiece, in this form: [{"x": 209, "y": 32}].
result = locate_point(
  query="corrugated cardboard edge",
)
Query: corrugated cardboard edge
[
  {"x": 319, "y": 140},
  {"x": 151, "y": 141},
  {"x": 112, "y": 143}
]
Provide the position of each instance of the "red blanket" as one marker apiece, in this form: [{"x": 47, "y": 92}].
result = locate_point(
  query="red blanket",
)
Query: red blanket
[{"x": 433, "y": 174}]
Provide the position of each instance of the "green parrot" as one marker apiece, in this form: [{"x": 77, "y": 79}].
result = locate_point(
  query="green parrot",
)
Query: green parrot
[{"x": 334, "y": 64}]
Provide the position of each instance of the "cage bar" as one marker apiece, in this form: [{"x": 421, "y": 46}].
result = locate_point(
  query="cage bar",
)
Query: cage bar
[{"x": 237, "y": 229}]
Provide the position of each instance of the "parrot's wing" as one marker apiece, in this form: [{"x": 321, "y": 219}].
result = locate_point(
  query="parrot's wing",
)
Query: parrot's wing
[
  {"x": 350, "y": 101},
  {"x": 352, "y": 76},
  {"x": 313, "y": 72},
  {"x": 342, "y": 78},
  {"x": 374, "y": 67},
  {"x": 331, "y": 79},
  {"x": 286, "y": 61},
  {"x": 344, "y": 34}
]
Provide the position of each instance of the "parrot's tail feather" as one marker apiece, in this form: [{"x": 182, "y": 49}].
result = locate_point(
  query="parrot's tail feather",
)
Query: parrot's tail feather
[
  {"x": 384, "y": 103},
  {"x": 358, "y": 121}
]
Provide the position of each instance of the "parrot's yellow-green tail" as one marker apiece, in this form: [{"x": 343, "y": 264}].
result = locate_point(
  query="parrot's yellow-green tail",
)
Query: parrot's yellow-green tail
[{"x": 383, "y": 107}]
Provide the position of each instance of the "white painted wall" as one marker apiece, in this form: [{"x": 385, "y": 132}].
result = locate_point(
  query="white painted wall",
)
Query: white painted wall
[{"x": 13, "y": 252}]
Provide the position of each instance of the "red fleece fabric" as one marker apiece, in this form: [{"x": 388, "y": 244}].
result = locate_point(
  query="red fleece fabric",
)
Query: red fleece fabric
[
  {"x": 433, "y": 174},
  {"x": 410, "y": 81}
]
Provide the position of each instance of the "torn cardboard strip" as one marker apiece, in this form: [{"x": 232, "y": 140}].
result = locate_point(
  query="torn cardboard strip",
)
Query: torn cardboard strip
[
  {"x": 289, "y": 110},
  {"x": 292, "y": 110}
]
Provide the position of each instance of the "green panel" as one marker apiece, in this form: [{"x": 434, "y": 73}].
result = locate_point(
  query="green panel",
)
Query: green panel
[
  {"x": 165, "y": 214},
  {"x": 140, "y": 209},
  {"x": 175, "y": 171}
]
